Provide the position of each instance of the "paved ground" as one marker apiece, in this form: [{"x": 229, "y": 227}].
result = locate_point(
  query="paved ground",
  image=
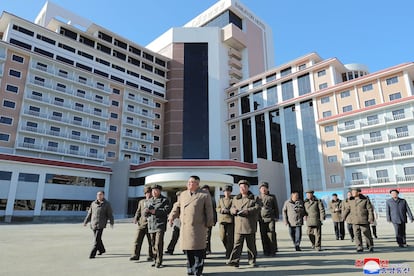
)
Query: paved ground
[{"x": 62, "y": 249}]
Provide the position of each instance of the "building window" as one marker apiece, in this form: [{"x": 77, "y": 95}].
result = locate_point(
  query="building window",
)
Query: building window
[
  {"x": 329, "y": 128},
  {"x": 330, "y": 143},
  {"x": 345, "y": 94},
  {"x": 347, "y": 108},
  {"x": 332, "y": 159},
  {"x": 323, "y": 85},
  {"x": 111, "y": 154},
  {"x": 231, "y": 105},
  {"x": 156, "y": 138},
  {"x": 9, "y": 104},
  {"x": 113, "y": 128},
  {"x": 335, "y": 179},
  {"x": 401, "y": 131},
  {"x": 370, "y": 102},
  {"x": 392, "y": 80},
  {"x": 12, "y": 88},
  {"x": 395, "y": 96},
  {"x": 321, "y": 73},
  {"x": 233, "y": 149},
  {"x": 15, "y": 73},
  {"x": 325, "y": 100},
  {"x": 4, "y": 137},
  {"x": 357, "y": 176},
  {"x": 302, "y": 67},
  {"x": 327, "y": 114},
  {"x": 114, "y": 115},
  {"x": 233, "y": 126},
  {"x": 111, "y": 141},
  {"x": 17, "y": 58},
  {"x": 233, "y": 138},
  {"x": 6, "y": 120},
  {"x": 28, "y": 177},
  {"x": 285, "y": 72},
  {"x": 367, "y": 87},
  {"x": 405, "y": 149}
]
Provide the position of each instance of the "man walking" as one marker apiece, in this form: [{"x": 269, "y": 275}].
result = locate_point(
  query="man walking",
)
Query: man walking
[
  {"x": 397, "y": 211},
  {"x": 361, "y": 212},
  {"x": 315, "y": 214},
  {"x": 176, "y": 230},
  {"x": 226, "y": 220},
  {"x": 157, "y": 212},
  {"x": 194, "y": 207},
  {"x": 245, "y": 208},
  {"x": 335, "y": 206},
  {"x": 206, "y": 189},
  {"x": 267, "y": 220},
  {"x": 140, "y": 218},
  {"x": 293, "y": 213},
  {"x": 98, "y": 215},
  {"x": 345, "y": 205}
]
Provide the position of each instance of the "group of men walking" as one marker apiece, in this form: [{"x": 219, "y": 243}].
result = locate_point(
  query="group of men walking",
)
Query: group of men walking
[{"x": 194, "y": 214}]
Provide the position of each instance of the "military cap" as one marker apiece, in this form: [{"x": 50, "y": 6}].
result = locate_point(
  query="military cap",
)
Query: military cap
[
  {"x": 394, "y": 190},
  {"x": 264, "y": 183},
  {"x": 310, "y": 191},
  {"x": 244, "y": 181},
  {"x": 147, "y": 189},
  {"x": 156, "y": 186},
  {"x": 356, "y": 189},
  {"x": 228, "y": 187}
]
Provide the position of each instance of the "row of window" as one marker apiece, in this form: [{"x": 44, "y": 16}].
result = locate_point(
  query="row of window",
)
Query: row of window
[
  {"x": 367, "y": 103},
  {"x": 96, "y": 71}
]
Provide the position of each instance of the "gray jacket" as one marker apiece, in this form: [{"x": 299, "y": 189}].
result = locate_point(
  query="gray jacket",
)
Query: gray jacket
[
  {"x": 315, "y": 212},
  {"x": 158, "y": 222},
  {"x": 98, "y": 214},
  {"x": 360, "y": 210},
  {"x": 293, "y": 212},
  {"x": 397, "y": 211}
]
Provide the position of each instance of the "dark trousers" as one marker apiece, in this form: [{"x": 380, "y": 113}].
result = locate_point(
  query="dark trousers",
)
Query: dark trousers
[
  {"x": 97, "y": 243},
  {"x": 195, "y": 261},
  {"x": 174, "y": 239},
  {"x": 268, "y": 236},
  {"x": 315, "y": 235},
  {"x": 362, "y": 229},
  {"x": 208, "y": 240},
  {"x": 295, "y": 234},
  {"x": 157, "y": 241},
  {"x": 339, "y": 227},
  {"x": 238, "y": 247},
  {"x": 141, "y": 234},
  {"x": 227, "y": 237},
  {"x": 350, "y": 230},
  {"x": 400, "y": 233}
]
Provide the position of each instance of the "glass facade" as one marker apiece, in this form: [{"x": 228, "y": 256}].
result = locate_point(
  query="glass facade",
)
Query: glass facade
[
  {"x": 261, "y": 136},
  {"x": 304, "y": 84},
  {"x": 310, "y": 144},
  {"x": 292, "y": 145},
  {"x": 224, "y": 19},
  {"x": 247, "y": 141},
  {"x": 195, "y": 109},
  {"x": 287, "y": 90},
  {"x": 275, "y": 136}
]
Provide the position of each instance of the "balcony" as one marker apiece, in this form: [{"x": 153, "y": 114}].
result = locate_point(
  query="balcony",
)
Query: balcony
[
  {"x": 234, "y": 37},
  {"x": 372, "y": 140},
  {"x": 350, "y": 144}
]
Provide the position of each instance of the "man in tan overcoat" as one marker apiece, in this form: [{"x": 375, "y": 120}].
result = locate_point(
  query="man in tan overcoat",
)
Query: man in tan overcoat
[
  {"x": 195, "y": 209},
  {"x": 245, "y": 208},
  {"x": 335, "y": 207}
]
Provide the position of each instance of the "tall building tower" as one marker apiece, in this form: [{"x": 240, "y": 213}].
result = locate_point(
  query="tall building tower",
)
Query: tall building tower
[{"x": 222, "y": 46}]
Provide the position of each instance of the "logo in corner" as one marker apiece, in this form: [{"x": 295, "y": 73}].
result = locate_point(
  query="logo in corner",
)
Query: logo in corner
[{"x": 372, "y": 266}]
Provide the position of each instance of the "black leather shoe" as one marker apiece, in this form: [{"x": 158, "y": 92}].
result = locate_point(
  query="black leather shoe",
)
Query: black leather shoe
[
  {"x": 134, "y": 258},
  {"x": 101, "y": 252},
  {"x": 169, "y": 252},
  {"x": 297, "y": 248}
]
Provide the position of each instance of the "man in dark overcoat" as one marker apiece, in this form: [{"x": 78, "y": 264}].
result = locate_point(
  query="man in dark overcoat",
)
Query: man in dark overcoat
[{"x": 397, "y": 211}]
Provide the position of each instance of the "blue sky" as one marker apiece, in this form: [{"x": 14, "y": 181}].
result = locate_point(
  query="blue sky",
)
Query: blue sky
[{"x": 375, "y": 33}]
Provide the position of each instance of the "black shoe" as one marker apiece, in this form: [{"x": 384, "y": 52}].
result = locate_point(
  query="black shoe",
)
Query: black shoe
[
  {"x": 360, "y": 249},
  {"x": 371, "y": 249},
  {"x": 337, "y": 238},
  {"x": 401, "y": 245},
  {"x": 169, "y": 252},
  {"x": 342, "y": 239},
  {"x": 150, "y": 259},
  {"x": 134, "y": 258},
  {"x": 101, "y": 252},
  {"x": 159, "y": 266},
  {"x": 91, "y": 257},
  {"x": 233, "y": 264},
  {"x": 352, "y": 240},
  {"x": 297, "y": 248},
  {"x": 153, "y": 265}
]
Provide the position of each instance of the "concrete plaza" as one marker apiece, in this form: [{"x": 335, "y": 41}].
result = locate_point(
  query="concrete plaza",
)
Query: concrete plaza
[{"x": 63, "y": 249}]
